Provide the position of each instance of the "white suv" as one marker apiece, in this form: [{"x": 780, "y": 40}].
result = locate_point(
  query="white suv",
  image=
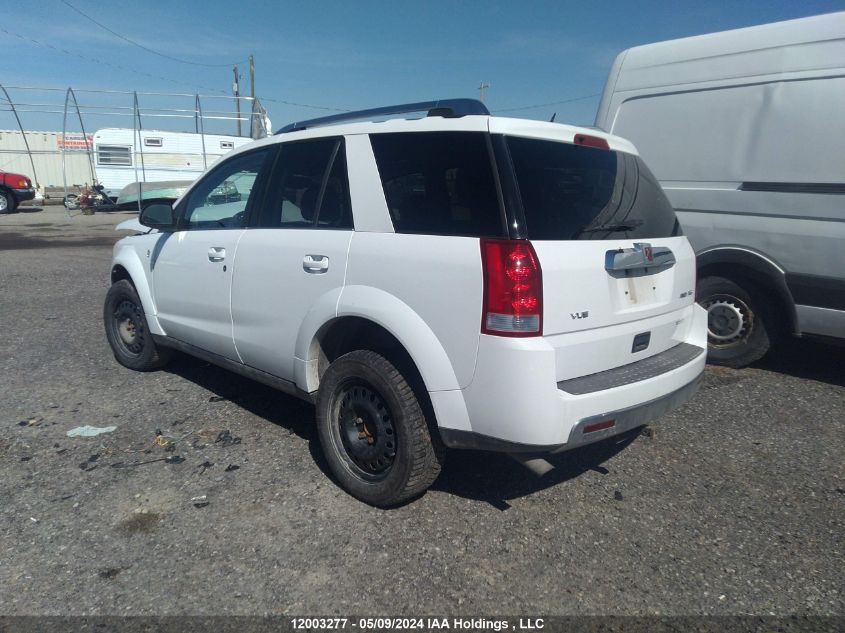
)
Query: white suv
[{"x": 454, "y": 280}]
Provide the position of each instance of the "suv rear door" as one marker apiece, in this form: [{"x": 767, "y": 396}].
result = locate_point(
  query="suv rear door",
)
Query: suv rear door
[{"x": 294, "y": 253}]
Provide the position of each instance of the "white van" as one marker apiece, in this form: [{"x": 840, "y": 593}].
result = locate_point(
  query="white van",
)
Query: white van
[
  {"x": 121, "y": 160},
  {"x": 745, "y": 130}
]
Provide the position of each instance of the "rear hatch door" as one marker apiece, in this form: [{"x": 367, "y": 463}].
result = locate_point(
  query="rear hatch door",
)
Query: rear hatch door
[{"x": 609, "y": 246}]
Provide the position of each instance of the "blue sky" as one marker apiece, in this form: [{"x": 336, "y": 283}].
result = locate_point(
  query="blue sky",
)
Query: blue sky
[{"x": 353, "y": 54}]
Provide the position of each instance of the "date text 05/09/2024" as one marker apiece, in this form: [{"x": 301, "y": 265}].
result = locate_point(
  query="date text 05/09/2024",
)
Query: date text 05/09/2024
[{"x": 424, "y": 624}]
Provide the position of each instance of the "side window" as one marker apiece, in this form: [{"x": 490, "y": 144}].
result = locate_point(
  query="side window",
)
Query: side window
[
  {"x": 309, "y": 187},
  {"x": 220, "y": 199},
  {"x": 439, "y": 183}
]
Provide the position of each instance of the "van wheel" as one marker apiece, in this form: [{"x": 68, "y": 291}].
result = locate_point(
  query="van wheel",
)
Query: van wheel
[
  {"x": 739, "y": 322},
  {"x": 127, "y": 330},
  {"x": 373, "y": 431},
  {"x": 7, "y": 202}
]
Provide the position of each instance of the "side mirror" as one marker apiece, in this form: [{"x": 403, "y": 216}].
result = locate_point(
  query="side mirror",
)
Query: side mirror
[{"x": 158, "y": 216}]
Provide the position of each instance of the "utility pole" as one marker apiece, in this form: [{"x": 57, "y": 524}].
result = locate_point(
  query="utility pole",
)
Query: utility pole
[
  {"x": 252, "y": 95},
  {"x": 252, "y": 76},
  {"x": 481, "y": 87},
  {"x": 236, "y": 90}
]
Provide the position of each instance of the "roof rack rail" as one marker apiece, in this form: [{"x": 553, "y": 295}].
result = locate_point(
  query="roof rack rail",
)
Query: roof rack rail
[{"x": 449, "y": 108}]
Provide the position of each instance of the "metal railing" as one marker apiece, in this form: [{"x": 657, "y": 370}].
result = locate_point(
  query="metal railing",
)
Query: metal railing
[{"x": 97, "y": 104}]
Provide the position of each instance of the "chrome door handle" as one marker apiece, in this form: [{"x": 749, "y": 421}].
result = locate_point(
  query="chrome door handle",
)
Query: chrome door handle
[
  {"x": 315, "y": 263},
  {"x": 216, "y": 254}
]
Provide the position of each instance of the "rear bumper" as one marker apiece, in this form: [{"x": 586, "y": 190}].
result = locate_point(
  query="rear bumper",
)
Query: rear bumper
[
  {"x": 580, "y": 434},
  {"x": 514, "y": 404}
]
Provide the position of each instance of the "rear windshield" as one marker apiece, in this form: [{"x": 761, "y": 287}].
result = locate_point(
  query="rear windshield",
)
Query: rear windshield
[
  {"x": 577, "y": 192},
  {"x": 439, "y": 183}
]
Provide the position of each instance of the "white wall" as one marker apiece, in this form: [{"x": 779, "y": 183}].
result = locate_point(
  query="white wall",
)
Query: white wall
[{"x": 48, "y": 158}]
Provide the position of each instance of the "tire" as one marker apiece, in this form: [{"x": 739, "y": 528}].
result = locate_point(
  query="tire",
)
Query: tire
[
  {"x": 71, "y": 202},
  {"x": 8, "y": 203},
  {"x": 740, "y": 322},
  {"x": 373, "y": 431},
  {"x": 127, "y": 330}
]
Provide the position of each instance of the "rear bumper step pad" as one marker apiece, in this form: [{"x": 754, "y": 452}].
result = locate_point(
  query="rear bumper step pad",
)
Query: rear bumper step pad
[{"x": 644, "y": 369}]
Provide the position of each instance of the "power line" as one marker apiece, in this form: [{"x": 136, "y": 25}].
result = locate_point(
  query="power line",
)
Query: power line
[
  {"x": 93, "y": 60},
  {"x": 303, "y": 105},
  {"x": 551, "y": 103},
  {"x": 141, "y": 46}
]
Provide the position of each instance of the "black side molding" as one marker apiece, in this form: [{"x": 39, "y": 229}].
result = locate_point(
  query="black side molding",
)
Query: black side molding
[
  {"x": 817, "y": 291},
  {"x": 795, "y": 187}
]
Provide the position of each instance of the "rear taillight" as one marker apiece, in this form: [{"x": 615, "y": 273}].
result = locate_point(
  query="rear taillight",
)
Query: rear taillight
[{"x": 513, "y": 289}]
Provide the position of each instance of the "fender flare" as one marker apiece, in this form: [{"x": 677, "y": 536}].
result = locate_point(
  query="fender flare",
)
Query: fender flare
[
  {"x": 127, "y": 258},
  {"x": 763, "y": 268},
  {"x": 388, "y": 312},
  {"x": 323, "y": 311}
]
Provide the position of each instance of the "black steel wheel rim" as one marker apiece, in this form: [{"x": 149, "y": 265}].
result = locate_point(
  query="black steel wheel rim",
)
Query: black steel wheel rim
[
  {"x": 128, "y": 327},
  {"x": 364, "y": 426}
]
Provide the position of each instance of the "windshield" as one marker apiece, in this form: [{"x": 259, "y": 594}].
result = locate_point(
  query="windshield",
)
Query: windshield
[{"x": 576, "y": 192}]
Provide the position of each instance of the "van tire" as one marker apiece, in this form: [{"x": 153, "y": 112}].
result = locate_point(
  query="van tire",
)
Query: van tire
[
  {"x": 373, "y": 431},
  {"x": 740, "y": 322},
  {"x": 127, "y": 331}
]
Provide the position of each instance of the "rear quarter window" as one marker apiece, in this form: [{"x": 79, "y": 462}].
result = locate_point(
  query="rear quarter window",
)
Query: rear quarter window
[
  {"x": 573, "y": 192},
  {"x": 439, "y": 183}
]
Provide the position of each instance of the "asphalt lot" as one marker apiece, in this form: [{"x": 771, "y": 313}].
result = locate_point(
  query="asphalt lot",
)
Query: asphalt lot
[{"x": 732, "y": 505}]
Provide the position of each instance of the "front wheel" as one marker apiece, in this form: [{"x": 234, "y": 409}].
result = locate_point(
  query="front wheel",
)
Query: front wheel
[
  {"x": 127, "y": 331},
  {"x": 373, "y": 430},
  {"x": 8, "y": 204},
  {"x": 739, "y": 322}
]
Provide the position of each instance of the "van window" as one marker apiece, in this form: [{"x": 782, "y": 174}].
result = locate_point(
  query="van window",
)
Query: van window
[
  {"x": 439, "y": 183},
  {"x": 576, "y": 192}
]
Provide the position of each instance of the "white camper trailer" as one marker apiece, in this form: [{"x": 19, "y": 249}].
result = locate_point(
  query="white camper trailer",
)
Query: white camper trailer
[
  {"x": 120, "y": 159},
  {"x": 745, "y": 131}
]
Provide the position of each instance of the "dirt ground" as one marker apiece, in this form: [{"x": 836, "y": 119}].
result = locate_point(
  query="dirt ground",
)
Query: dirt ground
[{"x": 731, "y": 505}]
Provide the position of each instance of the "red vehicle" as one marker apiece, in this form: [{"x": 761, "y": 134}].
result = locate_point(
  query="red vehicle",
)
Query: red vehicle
[{"x": 14, "y": 189}]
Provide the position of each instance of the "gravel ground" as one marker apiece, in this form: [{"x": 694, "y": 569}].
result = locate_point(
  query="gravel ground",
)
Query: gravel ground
[{"x": 731, "y": 505}]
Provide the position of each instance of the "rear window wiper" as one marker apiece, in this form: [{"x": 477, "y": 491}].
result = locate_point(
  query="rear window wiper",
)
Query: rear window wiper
[{"x": 613, "y": 228}]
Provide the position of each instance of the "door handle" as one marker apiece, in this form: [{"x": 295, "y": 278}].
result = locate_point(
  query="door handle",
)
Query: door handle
[
  {"x": 216, "y": 254},
  {"x": 315, "y": 263}
]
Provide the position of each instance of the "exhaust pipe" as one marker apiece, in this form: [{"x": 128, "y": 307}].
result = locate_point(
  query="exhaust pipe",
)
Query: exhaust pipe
[{"x": 536, "y": 465}]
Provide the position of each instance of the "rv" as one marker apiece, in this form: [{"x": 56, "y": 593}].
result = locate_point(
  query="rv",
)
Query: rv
[
  {"x": 120, "y": 159},
  {"x": 745, "y": 131}
]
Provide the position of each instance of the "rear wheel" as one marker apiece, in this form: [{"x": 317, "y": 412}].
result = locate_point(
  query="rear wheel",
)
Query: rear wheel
[
  {"x": 127, "y": 330},
  {"x": 8, "y": 204},
  {"x": 373, "y": 431},
  {"x": 71, "y": 202},
  {"x": 740, "y": 324}
]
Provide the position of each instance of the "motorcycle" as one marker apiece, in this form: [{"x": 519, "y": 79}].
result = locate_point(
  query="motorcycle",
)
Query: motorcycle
[{"x": 89, "y": 200}]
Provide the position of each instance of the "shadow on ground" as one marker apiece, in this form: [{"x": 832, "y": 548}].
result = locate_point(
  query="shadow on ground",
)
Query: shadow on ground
[
  {"x": 497, "y": 478},
  {"x": 494, "y": 478},
  {"x": 811, "y": 359}
]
